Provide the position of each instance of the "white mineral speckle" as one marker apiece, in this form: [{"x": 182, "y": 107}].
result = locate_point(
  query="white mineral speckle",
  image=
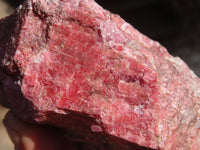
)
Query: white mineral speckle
[
  {"x": 76, "y": 3},
  {"x": 127, "y": 65},
  {"x": 19, "y": 82},
  {"x": 197, "y": 124},
  {"x": 139, "y": 109},
  {"x": 177, "y": 63},
  {"x": 140, "y": 38},
  {"x": 96, "y": 128},
  {"x": 151, "y": 43},
  {"x": 30, "y": 4},
  {"x": 198, "y": 111},
  {"x": 160, "y": 127},
  {"x": 197, "y": 92},
  {"x": 39, "y": 57},
  {"x": 18, "y": 52},
  {"x": 124, "y": 26},
  {"x": 7, "y": 63},
  {"x": 157, "y": 44},
  {"x": 127, "y": 51},
  {"x": 20, "y": 7}
]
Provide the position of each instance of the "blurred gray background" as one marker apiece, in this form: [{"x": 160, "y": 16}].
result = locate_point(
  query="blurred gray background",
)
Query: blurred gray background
[{"x": 174, "y": 23}]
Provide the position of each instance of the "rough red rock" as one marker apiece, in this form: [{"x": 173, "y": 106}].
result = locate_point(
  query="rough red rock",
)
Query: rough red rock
[{"x": 72, "y": 64}]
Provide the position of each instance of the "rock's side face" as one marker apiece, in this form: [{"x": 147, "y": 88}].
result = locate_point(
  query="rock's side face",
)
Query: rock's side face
[{"x": 73, "y": 60}]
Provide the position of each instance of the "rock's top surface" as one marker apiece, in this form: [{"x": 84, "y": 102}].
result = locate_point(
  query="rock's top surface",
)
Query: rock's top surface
[{"x": 71, "y": 57}]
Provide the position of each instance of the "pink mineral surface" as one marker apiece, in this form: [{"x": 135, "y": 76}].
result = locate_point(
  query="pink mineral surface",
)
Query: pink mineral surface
[{"x": 74, "y": 65}]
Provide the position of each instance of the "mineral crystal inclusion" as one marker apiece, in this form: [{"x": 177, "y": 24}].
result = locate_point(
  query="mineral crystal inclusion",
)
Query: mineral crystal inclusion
[{"x": 77, "y": 58}]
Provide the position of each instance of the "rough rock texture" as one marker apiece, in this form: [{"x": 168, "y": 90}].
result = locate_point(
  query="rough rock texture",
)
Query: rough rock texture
[{"x": 71, "y": 64}]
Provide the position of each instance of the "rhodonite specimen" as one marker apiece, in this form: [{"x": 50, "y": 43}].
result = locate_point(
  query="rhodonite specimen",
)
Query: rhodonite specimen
[{"x": 74, "y": 65}]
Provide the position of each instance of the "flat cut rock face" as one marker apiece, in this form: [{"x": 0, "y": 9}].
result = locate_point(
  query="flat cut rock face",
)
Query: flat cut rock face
[{"x": 77, "y": 66}]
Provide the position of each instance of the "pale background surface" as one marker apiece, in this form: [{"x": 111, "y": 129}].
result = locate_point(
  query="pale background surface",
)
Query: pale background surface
[{"x": 5, "y": 143}]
